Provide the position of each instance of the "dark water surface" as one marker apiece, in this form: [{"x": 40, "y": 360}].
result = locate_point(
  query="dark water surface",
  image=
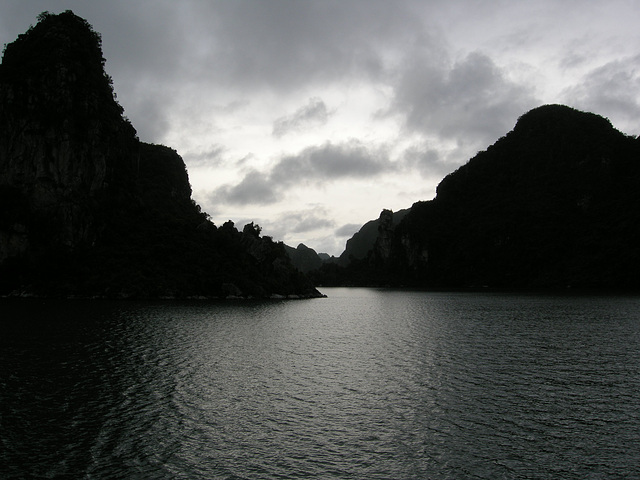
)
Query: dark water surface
[{"x": 365, "y": 384}]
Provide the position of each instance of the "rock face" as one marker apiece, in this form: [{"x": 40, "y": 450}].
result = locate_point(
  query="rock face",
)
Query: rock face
[
  {"x": 304, "y": 258},
  {"x": 63, "y": 140},
  {"x": 88, "y": 209},
  {"x": 363, "y": 240},
  {"x": 383, "y": 244},
  {"x": 554, "y": 203}
]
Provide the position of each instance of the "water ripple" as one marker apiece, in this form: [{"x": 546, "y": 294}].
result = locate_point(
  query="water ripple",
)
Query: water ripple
[{"x": 366, "y": 384}]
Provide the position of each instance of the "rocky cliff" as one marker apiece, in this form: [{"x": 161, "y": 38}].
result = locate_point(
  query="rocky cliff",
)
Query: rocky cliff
[
  {"x": 555, "y": 203},
  {"x": 88, "y": 209},
  {"x": 363, "y": 240},
  {"x": 304, "y": 258},
  {"x": 63, "y": 141}
]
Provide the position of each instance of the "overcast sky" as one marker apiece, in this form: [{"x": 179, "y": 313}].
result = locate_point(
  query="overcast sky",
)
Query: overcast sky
[{"x": 309, "y": 117}]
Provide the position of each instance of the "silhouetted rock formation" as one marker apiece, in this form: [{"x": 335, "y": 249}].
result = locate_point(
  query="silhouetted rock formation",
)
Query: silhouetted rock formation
[
  {"x": 363, "y": 240},
  {"x": 304, "y": 258},
  {"x": 554, "y": 203},
  {"x": 88, "y": 209},
  {"x": 358, "y": 247}
]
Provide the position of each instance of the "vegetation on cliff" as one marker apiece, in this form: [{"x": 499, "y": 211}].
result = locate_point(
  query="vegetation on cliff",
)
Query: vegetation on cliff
[
  {"x": 88, "y": 209},
  {"x": 554, "y": 203}
]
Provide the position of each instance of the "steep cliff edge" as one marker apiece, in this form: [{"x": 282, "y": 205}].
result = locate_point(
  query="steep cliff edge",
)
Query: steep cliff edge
[
  {"x": 363, "y": 240},
  {"x": 554, "y": 203},
  {"x": 64, "y": 144},
  {"x": 88, "y": 209}
]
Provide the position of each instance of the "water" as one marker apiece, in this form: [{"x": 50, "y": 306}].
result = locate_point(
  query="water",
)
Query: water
[{"x": 365, "y": 384}]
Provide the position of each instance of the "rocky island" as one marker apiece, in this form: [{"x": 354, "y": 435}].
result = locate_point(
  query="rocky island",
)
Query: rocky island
[
  {"x": 88, "y": 209},
  {"x": 555, "y": 203}
]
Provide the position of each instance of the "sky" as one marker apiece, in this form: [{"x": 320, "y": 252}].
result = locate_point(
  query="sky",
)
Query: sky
[{"x": 308, "y": 117}]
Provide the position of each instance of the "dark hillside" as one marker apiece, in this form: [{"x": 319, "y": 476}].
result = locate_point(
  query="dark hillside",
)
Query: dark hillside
[
  {"x": 304, "y": 258},
  {"x": 554, "y": 203},
  {"x": 90, "y": 210},
  {"x": 363, "y": 240}
]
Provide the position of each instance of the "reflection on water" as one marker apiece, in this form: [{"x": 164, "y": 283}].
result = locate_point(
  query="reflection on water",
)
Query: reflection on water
[{"x": 364, "y": 384}]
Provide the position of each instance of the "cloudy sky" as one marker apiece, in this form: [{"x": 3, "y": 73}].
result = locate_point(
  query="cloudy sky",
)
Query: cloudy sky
[{"x": 309, "y": 117}]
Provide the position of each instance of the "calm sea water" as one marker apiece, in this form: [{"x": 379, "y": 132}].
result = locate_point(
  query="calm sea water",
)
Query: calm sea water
[{"x": 365, "y": 384}]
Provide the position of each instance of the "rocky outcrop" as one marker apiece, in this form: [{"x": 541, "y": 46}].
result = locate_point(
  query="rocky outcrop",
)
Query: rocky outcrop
[
  {"x": 361, "y": 243},
  {"x": 382, "y": 246},
  {"x": 90, "y": 210},
  {"x": 64, "y": 141},
  {"x": 552, "y": 204},
  {"x": 304, "y": 258}
]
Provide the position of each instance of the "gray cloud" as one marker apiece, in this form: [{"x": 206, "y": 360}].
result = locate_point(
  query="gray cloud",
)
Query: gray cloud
[
  {"x": 281, "y": 44},
  {"x": 307, "y": 220},
  {"x": 313, "y": 114},
  {"x": 347, "y": 230},
  {"x": 247, "y": 48},
  {"x": 158, "y": 51},
  {"x": 429, "y": 162},
  {"x": 299, "y": 222},
  {"x": 611, "y": 90},
  {"x": 211, "y": 157},
  {"x": 573, "y": 59},
  {"x": 254, "y": 188},
  {"x": 472, "y": 100},
  {"x": 328, "y": 162},
  {"x": 150, "y": 119}
]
